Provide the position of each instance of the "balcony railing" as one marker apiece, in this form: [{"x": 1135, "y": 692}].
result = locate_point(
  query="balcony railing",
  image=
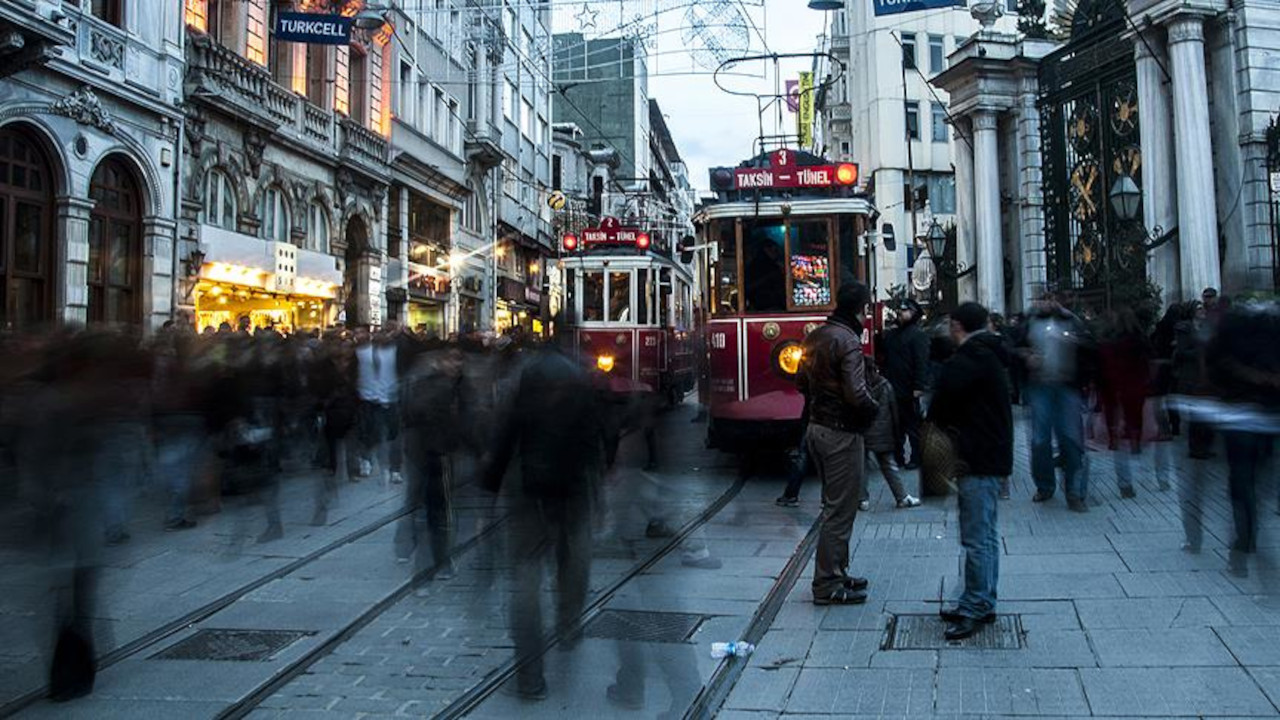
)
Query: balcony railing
[
  {"x": 362, "y": 145},
  {"x": 218, "y": 71}
]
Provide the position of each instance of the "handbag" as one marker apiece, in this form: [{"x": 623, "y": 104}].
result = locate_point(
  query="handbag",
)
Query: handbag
[{"x": 940, "y": 463}]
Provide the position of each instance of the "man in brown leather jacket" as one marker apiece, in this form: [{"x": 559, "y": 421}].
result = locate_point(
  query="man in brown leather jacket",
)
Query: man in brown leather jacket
[{"x": 841, "y": 408}]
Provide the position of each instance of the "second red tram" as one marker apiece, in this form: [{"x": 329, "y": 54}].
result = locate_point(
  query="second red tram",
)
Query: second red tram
[
  {"x": 785, "y": 232},
  {"x": 632, "y": 303}
]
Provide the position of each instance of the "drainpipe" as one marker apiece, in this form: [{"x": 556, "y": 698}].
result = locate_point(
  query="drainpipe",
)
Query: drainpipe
[{"x": 175, "y": 279}]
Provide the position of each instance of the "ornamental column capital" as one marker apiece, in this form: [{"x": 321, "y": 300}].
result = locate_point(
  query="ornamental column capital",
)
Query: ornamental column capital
[
  {"x": 1186, "y": 28},
  {"x": 985, "y": 120}
]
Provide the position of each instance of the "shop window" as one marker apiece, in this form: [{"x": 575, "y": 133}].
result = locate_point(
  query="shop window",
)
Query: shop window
[
  {"x": 620, "y": 296},
  {"x": 219, "y": 200},
  {"x": 810, "y": 265},
  {"x": 318, "y": 228},
  {"x": 592, "y": 296},
  {"x": 274, "y": 214},
  {"x": 114, "y": 245},
  {"x": 764, "y": 266}
]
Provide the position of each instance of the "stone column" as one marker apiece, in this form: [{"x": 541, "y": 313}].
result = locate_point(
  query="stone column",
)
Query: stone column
[
  {"x": 1159, "y": 178},
  {"x": 986, "y": 194},
  {"x": 157, "y": 271},
  {"x": 966, "y": 287},
  {"x": 1197, "y": 205},
  {"x": 71, "y": 257},
  {"x": 1030, "y": 162}
]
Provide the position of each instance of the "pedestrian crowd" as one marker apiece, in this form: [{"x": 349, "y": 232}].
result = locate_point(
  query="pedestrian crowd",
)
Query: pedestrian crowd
[{"x": 940, "y": 400}]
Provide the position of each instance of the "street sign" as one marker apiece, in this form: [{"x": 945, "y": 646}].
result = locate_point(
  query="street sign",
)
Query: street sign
[
  {"x": 782, "y": 172},
  {"x": 894, "y": 7},
  {"x": 1275, "y": 182},
  {"x": 313, "y": 28},
  {"x": 612, "y": 232}
]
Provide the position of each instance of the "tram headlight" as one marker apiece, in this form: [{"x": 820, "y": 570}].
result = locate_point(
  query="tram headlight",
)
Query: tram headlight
[
  {"x": 604, "y": 363},
  {"x": 788, "y": 358}
]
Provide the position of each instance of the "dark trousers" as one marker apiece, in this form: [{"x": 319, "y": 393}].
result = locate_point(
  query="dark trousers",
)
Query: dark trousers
[
  {"x": 908, "y": 430},
  {"x": 539, "y": 529},
  {"x": 431, "y": 498},
  {"x": 1245, "y": 453},
  {"x": 838, "y": 457},
  {"x": 798, "y": 470}
]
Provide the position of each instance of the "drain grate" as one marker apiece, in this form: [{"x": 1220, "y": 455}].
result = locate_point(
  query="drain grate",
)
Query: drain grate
[
  {"x": 644, "y": 626},
  {"x": 232, "y": 645},
  {"x": 925, "y": 632}
]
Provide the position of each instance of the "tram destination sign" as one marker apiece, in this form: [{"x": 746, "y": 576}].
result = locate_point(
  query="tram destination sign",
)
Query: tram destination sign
[
  {"x": 611, "y": 232},
  {"x": 783, "y": 173}
]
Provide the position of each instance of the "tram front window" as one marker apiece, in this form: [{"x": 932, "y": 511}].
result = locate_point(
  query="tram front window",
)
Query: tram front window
[
  {"x": 592, "y": 296},
  {"x": 620, "y": 296},
  {"x": 810, "y": 265},
  {"x": 764, "y": 265}
]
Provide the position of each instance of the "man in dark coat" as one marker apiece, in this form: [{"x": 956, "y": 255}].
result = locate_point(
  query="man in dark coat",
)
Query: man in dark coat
[
  {"x": 971, "y": 404},
  {"x": 833, "y": 380},
  {"x": 906, "y": 366}
]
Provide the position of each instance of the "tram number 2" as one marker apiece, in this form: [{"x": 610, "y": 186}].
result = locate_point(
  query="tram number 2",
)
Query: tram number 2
[
  {"x": 651, "y": 341},
  {"x": 719, "y": 341}
]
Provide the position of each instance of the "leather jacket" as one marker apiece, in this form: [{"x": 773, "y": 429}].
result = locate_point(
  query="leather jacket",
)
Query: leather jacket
[{"x": 833, "y": 378}]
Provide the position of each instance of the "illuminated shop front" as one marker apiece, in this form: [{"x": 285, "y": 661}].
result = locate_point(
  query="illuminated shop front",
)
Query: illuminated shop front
[{"x": 232, "y": 294}]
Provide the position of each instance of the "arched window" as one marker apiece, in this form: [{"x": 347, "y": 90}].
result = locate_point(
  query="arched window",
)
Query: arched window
[
  {"x": 274, "y": 213},
  {"x": 26, "y": 231},
  {"x": 219, "y": 200},
  {"x": 115, "y": 245},
  {"x": 317, "y": 227}
]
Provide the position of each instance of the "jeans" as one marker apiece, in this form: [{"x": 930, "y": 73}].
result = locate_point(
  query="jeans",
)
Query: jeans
[
  {"x": 798, "y": 471},
  {"x": 838, "y": 458},
  {"x": 979, "y": 499},
  {"x": 1056, "y": 412},
  {"x": 884, "y": 461}
]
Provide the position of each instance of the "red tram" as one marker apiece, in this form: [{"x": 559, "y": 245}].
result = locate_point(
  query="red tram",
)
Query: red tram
[
  {"x": 631, "y": 302},
  {"x": 786, "y": 230}
]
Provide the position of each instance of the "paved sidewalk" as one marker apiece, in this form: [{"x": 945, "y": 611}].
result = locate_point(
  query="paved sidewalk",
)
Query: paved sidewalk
[{"x": 1118, "y": 621}]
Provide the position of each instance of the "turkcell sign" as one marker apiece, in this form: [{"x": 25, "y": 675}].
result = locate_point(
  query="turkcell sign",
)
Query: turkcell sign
[
  {"x": 894, "y": 7},
  {"x": 813, "y": 176},
  {"x": 313, "y": 28}
]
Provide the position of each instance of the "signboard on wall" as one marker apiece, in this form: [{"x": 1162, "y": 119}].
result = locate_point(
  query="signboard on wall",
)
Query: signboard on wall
[
  {"x": 895, "y": 7},
  {"x": 804, "y": 118},
  {"x": 313, "y": 28}
]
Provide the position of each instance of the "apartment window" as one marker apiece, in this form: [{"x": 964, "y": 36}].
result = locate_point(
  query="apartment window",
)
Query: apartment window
[
  {"x": 909, "y": 50},
  {"x": 939, "y": 123},
  {"x": 424, "y": 108},
  {"x": 512, "y": 101},
  {"x": 406, "y": 94},
  {"x": 197, "y": 14},
  {"x": 437, "y": 20},
  {"x": 274, "y": 214},
  {"x": 557, "y": 168},
  {"x": 937, "y": 55},
  {"x": 317, "y": 228},
  {"x": 378, "y": 56},
  {"x": 359, "y": 92},
  {"x": 913, "y": 120},
  {"x": 526, "y": 119},
  {"x": 111, "y": 11},
  {"x": 541, "y": 137},
  {"x": 219, "y": 201},
  {"x": 1012, "y": 5},
  {"x": 942, "y": 193},
  {"x": 318, "y": 77},
  {"x": 255, "y": 40},
  {"x": 455, "y": 128},
  {"x": 441, "y": 112},
  {"x": 342, "y": 79}
]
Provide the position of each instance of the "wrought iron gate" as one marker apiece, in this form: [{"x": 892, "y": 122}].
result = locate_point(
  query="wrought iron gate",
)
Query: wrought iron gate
[
  {"x": 1273, "y": 195},
  {"x": 1090, "y": 141}
]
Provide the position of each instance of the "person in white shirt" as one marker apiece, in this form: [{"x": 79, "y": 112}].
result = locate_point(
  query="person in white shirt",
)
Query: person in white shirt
[{"x": 377, "y": 386}]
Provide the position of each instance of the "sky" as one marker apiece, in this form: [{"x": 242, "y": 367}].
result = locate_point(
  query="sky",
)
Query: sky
[{"x": 686, "y": 39}]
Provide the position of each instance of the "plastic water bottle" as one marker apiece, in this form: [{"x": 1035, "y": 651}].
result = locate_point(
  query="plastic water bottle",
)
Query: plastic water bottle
[{"x": 735, "y": 649}]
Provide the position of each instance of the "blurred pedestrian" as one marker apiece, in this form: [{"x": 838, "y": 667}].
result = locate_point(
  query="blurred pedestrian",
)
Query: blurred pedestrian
[
  {"x": 880, "y": 440},
  {"x": 906, "y": 366},
  {"x": 1125, "y": 357},
  {"x": 833, "y": 378},
  {"x": 377, "y": 384},
  {"x": 972, "y": 405}
]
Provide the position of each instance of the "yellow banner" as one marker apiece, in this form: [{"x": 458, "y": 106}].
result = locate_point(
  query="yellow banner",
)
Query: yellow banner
[{"x": 804, "y": 118}]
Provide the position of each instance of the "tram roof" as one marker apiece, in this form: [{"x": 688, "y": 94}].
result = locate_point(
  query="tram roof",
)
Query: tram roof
[{"x": 799, "y": 207}]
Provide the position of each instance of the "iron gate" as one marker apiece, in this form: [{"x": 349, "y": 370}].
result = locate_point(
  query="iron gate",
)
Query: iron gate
[
  {"x": 1090, "y": 141},
  {"x": 1273, "y": 195}
]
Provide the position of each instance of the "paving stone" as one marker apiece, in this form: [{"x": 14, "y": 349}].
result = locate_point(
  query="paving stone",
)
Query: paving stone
[
  {"x": 1248, "y": 609},
  {"x": 1061, "y": 564},
  {"x": 778, "y": 647},
  {"x": 1160, "y": 648},
  {"x": 843, "y": 648},
  {"x": 1174, "y": 692},
  {"x": 987, "y": 691},
  {"x": 1169, "y": 560},
  {"x": 1128, "y": 613},
  {"x": 1058, "y": 587},
  {"x": 1051, "y": 649},
  {"x": 760, "y": 689},
  {"x": 1072, "y": 544},
  {"x": 889, "y": 692},
  {"x": 1252, "y": 645},
  {"x": 1268, "y": 678},
  {"x": 1176, "y": 584},
  {"x": 1043, "y": 615}
]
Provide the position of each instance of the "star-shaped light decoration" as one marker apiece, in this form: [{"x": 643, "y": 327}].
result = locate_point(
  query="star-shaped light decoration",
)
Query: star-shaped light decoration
[{"x": 586, "y": 17}]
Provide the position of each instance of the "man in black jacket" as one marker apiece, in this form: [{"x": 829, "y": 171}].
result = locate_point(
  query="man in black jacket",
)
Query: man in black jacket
[
  {"x": 906, "y": 366},
  {"x": 841, "y": 408},
  {"x": 971, "y": 404}
]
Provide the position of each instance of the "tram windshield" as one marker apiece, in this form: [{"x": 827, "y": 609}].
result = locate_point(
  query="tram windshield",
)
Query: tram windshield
[{"x": 785, "y": 265}]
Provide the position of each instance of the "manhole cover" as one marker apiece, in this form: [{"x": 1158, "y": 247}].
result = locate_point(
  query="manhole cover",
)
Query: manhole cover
[
  {"x": 231, "y": 645},
  {"x": 925, "y": 632},
  {"x": 643, "y": 626}
]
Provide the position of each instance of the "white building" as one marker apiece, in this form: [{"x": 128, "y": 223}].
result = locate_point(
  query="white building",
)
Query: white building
[
  {"x": 899, "y": 136},
  {"x": 90, "y": 137}
]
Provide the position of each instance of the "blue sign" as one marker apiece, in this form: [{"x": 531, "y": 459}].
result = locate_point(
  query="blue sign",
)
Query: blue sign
[
  {"x": 894, "y": 7},
  {"x": 313, "y": 28}
]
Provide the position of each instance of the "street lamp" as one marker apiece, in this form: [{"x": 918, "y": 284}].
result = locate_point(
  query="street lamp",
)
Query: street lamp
[
  {"x": 826, "y": 4},
  {"x": 370, "y": 18},
  {"x": 1126, "y": 203},
  {"x": 936, "y": 239}
]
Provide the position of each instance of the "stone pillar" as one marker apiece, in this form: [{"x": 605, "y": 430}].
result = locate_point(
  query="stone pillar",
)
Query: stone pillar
[
  {"x": 1197, "y": 204},
  {"x": 71, "y": 256},
  {"x": 157, "y": 271},
  {"x": 1159, "y": 188},
  {"x": 986, "y": 194},
  {"x": 966, "y": 287},
  {"x": 1030, "y": 191}
]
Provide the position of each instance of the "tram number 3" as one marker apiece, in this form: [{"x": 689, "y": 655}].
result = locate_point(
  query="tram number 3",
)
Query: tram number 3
[{"x": 719, "y": 341}]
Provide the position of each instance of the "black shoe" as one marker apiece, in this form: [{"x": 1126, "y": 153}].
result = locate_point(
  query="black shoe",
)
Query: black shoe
[
  {"x": 658, "y": 529},
  {"x": 1077, "y": 505},
  {"x": 787, "y": 502},
  {"x": 856, "y": 584},
  {"x": 179, "y": 524},
  {"x": 841, "y": 596},
  {"x": 622, "y": 700},
  {"x": 533, "y": 690},
  {"x": 1041, "y": 496},
  {"x": 962, "y": 628},
  {"x": 954, "y": 616},
  {"x": 1128, "y": 492}
]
